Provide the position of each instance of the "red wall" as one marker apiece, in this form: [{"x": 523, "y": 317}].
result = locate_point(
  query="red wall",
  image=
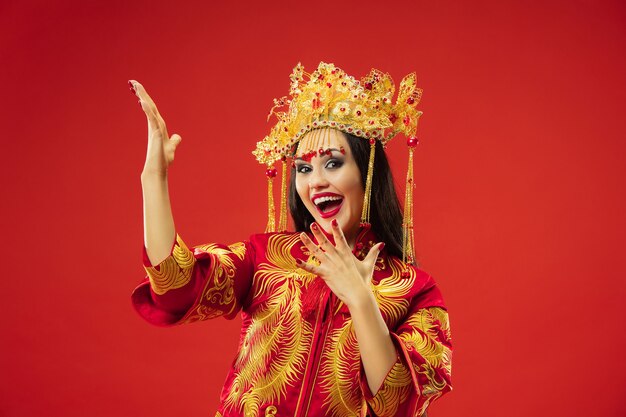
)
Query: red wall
[{"x": 519, "y": 202}]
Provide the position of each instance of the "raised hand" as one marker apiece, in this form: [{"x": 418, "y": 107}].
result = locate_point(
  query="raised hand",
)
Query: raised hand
[
  {"x": 346, "y": 276},
  {"x": 161, "y": 147}
]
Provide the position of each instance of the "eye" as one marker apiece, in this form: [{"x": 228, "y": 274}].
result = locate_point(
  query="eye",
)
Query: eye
[
  {"x": 302, "y": 168},
  {"x": 334, "y": 163}
]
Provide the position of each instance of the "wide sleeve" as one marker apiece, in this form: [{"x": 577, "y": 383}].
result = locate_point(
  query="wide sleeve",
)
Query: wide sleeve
[
  {"x": 195, "y": 284},
  {"x": 421, "y": 373}
]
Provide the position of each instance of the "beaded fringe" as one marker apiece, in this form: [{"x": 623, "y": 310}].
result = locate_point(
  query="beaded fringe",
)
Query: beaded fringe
[
  {"x": 271, "y": 215},
  {"x": 365, "y": 214},
  {"x": 282, "y": 221},
  {"x": 408, "y": 250}
]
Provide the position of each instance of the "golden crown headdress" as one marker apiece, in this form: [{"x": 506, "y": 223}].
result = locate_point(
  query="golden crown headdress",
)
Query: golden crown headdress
[{"x": 330, "y": 98}]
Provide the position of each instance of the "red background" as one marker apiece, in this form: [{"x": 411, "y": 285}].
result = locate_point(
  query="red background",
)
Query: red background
[{"x": 519, "y": 203}]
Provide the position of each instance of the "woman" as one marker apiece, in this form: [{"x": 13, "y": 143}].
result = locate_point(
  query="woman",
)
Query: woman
[{"x": 337, "y": 321}]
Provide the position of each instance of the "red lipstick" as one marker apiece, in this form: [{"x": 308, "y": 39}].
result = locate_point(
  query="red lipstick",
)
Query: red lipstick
[{"x": 322, "y": 201}]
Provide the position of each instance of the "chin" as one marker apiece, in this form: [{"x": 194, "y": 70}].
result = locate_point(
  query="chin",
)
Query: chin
[
  {"x": 325, "y": 223},
  {"x": 325, "y": 215}
]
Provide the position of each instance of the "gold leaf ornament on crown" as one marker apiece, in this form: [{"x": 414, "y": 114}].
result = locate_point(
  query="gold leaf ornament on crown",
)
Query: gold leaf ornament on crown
[{"x": 330, "y": 98}]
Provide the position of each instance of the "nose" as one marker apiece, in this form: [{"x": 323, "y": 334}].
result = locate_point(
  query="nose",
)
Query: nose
[{"x": 317, "y": 180}]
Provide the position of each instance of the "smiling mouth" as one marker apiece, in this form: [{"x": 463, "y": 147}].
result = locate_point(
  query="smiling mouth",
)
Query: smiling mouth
[{"x": 328, "y": 206}]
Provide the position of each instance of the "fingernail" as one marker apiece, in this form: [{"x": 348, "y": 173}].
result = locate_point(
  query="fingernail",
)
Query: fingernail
[
  {"x": 314, "y": 226},
  {"x": 132, "y": 88},
  {"x": 382, "y": 246},
  {"x": 334, "y": 222}
]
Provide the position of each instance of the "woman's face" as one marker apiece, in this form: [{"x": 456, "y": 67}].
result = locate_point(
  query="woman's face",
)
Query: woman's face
[{"x": 330, "y": 185}]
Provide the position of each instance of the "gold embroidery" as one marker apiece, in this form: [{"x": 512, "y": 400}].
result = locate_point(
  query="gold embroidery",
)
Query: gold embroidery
[
  {"x": 219, "y": 290},
  {"x": 341, "y": 360},
  {"x": 431, "y": 340},
  {"x": 271, "y": 411},
  {"x": 434, "y": 327},
  {"x": 174, "y": 272},
  {"x": 222, "y": 291},
  {"x": 340, "y": 368},
  {"x": 273, "y": 352},
  {"x": 394, "y": 391},
  {"x": 391, "y": 292},
  {"x": 238, "y": 249}
]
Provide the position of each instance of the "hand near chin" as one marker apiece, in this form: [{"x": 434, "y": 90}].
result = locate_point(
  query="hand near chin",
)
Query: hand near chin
[{"x": 346, "y": 276}]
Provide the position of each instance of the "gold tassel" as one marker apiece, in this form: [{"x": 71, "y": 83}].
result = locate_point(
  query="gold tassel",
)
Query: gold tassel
[
  {"x": 408, "y": 243},
  {"x": 282, "y": 222},
  {"x": 271, "y": 211},
  {"x": 365, "y": 214}
]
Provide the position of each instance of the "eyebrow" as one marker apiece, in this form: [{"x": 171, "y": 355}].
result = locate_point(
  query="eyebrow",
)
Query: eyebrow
[{"x": 299, "y": 158}]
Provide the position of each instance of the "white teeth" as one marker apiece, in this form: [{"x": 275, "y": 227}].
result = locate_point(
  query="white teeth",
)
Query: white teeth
[{"x": 319, "y": 200}]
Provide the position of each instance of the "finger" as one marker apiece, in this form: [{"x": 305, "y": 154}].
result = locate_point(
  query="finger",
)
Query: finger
[
  {"x": 153, "y": 120},
  {"x": 340, "y": 239},
  {"x": 373, "y": 253},
  {"x": 176, "y": 139},
  {"x": 308, "y": 267},
  {"x": 141, "y": 92},
  {"x": 152, "y": 113},
  {"x": 315, "y": 250},
  {"x": 145, "y": 106},
  {"x": 321, "y": 238},
  {"x": 146, "y": 101}
]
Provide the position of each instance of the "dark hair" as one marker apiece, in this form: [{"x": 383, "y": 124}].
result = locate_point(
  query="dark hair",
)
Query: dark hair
[{"x": 385, "y": 213}]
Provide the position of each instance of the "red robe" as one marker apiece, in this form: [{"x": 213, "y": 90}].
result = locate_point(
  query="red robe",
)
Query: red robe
[{"x": 298, "y": 355}]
